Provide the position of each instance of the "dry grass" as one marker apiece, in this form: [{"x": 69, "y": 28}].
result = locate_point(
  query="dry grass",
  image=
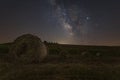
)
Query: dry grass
[
  {"x": 69, "y": 66},
  {"x": 62, "y": 71}
]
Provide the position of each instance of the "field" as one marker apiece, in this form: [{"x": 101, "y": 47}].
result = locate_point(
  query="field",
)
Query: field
[{"x": 65, "y": 62}]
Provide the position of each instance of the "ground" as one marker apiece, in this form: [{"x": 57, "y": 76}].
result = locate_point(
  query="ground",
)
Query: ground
[{"x": 65, "y": 62}]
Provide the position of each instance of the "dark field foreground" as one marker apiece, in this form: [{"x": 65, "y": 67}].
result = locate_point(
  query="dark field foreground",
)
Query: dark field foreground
[
  {"x": 61, "y": 71},
  {"x": 65, "y": 62}
]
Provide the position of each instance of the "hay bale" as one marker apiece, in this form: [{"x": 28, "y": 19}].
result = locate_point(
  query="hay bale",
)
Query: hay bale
[
  {"x": 64, "y": 54},
  {"x": 98, "y": 54},
  {"x": 28, "y": 48},
  {"x": 84, "y": 53}
]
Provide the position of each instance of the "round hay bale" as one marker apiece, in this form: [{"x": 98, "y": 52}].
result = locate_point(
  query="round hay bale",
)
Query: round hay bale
[
  {"x": 98, "y": 54},
  {"x": 28, "y": 48},
  {"x": 83, "y": 53},
  {"x": 64, "y": 54}
]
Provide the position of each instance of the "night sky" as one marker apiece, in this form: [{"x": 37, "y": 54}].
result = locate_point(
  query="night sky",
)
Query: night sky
[{"x": 81, "y": 22}]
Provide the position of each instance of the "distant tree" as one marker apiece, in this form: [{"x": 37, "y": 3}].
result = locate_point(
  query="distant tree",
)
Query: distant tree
[
  {"x": 50, "y": 42},
  {"x": 45, "y": 42}
]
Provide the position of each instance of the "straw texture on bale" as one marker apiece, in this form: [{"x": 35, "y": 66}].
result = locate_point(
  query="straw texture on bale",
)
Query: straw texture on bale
[{"x": 28, "y": 48}]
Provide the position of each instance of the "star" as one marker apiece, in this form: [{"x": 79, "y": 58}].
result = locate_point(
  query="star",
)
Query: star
[{"x": 87, "y": 18}]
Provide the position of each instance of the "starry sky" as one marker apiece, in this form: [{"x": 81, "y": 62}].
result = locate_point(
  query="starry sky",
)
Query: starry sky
[{"x": 81, "y": 22}]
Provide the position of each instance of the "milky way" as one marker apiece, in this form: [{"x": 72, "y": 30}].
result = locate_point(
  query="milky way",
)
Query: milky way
[{"x": 72, "y": 17}]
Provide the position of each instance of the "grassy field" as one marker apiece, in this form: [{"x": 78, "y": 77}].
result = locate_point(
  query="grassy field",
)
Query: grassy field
[{"x": 65, "y": 62}]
